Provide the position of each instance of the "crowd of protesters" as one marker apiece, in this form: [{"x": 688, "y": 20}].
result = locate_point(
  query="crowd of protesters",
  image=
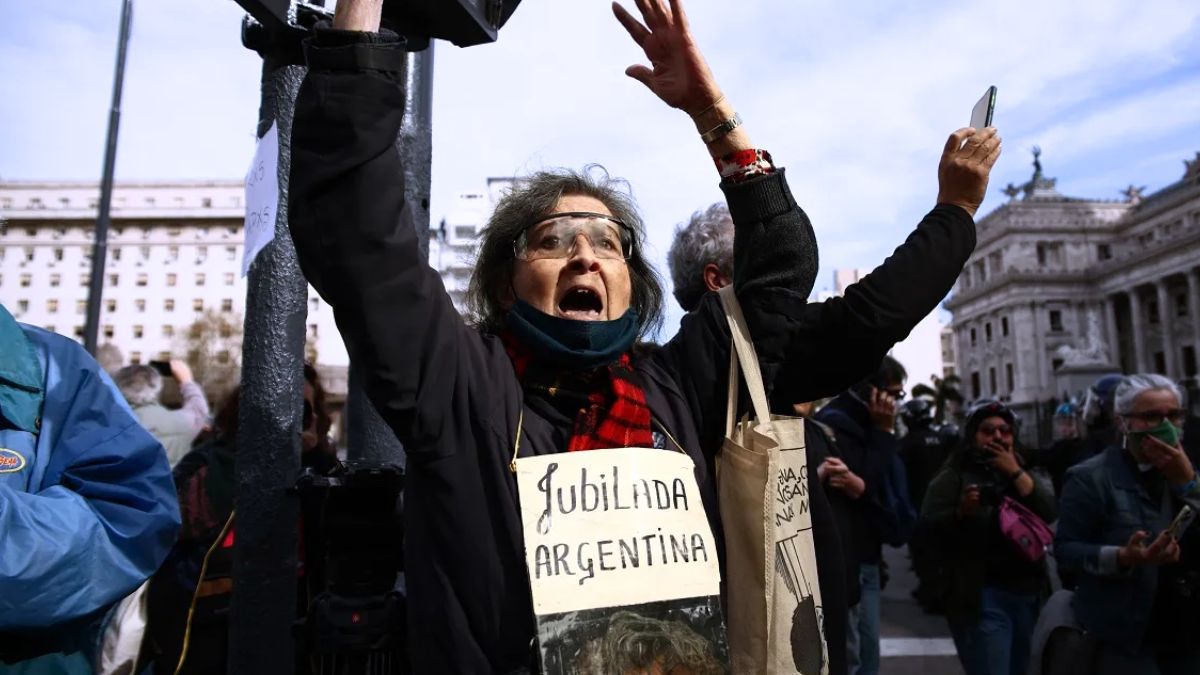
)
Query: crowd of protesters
[{"x": 99, "y": 493}]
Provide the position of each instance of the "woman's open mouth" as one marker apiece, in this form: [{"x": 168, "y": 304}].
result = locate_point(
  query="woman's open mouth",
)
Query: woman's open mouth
[{"x": 581, "y": 304}]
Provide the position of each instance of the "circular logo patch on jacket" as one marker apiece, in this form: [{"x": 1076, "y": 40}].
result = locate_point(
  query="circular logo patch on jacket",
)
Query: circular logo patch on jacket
[{"x": 11, "y": 461}]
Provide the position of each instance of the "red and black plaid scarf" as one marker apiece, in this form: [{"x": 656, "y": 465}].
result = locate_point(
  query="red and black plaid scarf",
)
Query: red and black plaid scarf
[{"x": 612, "y": 405}]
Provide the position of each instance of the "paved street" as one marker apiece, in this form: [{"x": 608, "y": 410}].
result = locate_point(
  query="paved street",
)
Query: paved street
[{"x": 914, "y": 643}]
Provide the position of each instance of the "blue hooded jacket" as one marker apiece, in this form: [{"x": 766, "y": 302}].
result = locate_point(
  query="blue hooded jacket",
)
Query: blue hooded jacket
[{"x": 88, "y": 508}]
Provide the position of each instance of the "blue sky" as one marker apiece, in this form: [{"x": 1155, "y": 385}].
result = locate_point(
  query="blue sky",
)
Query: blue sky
[{"x": 855, "y": 101}]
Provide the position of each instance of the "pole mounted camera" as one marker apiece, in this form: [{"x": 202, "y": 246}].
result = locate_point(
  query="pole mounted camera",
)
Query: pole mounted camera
[{"x": 462, "y": 22}]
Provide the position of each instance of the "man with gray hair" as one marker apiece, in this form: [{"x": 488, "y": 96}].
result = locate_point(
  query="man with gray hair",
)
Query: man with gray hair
[
  {"x": 701, "y": 257},
  {"x": 175, "y": 429}
]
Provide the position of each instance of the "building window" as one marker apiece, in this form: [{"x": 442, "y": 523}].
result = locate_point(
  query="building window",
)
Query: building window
[
  {"x": 50, "y": 328},
  {"x": 1104, "y": 251},
  {"x": 172, "y": 253},
  {"x": 1189, "y": 361},
  {"x": 83, "y": 279},
  {"x": 113, "y": 279},
  {"x": 1181, "y": 304},
  {"x": 58, "y": 254},
  {"x": 314, "y": 304},
  {"x": 227, "y": 305},
  {"x": 110, "y": 305},
  {"x": 52, "y": 305},
  {"x": 312, "y": 330},
  {"x": 223, "y": 356},
  {"x": 55, "y": 280},
  {"x": 171, "y": 278},
  {"x": 142, "y": 279},
  {"x": 229, "y": 278},
  {"x": 135, "y": 358},
  {"x": 29, "y": 255},
  {"x": 80, "y": 306},
  {"x": 975, "y": 384},
  {"x": 26, "y": 280},
  {"x": 200, "y": 278},
  {"x": 1160, "y": 362},
  {"x": 1152, "y": 313},
  {"x": 1004, "y": 326},
  {"x": 138, "y": 331},
  {"x": 22, "y": 306},
  {"x": 987, "y": 331},
  {"x": 1146, "y": 238},
  {"x": 169, "y": 305},
  {"x": 201, "y": 254},
  {"x": 174, "y": 232},
  {"x": 1056, "y": 323},
  {"x": 992, "y": 381},
  {"x": 140, "y": 304},
  {"x": 206, "y": 202},
  {"x": 108, "y": 332},
  {"x": 198, "y": 305},
  {"x": 974, "y": 339},
  {"x": 144, "y": 252},
  {"x": 1008, "y": 377},
  {"x": 168, "y": 331},
  {"x": 116, "y": 253},
  {"x": 1055, "y": 364},
  {"x": 231, "y": 253},
  {"x": 78, "y": 332}
]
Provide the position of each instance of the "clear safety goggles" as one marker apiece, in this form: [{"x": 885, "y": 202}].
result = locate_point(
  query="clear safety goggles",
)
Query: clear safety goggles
[{"x": 557, "y": 235}]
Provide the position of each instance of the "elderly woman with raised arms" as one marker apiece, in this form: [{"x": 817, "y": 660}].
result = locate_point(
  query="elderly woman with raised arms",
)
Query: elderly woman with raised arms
[{"x": 562, "y": 293}]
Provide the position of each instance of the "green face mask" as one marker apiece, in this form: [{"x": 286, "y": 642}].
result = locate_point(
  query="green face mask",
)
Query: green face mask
[{"x": 1166, "y": 432}]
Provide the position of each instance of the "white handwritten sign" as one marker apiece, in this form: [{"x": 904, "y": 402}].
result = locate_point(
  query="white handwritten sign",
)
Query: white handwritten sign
[
  {"x": 262, "y": 197},
  {"x": 616, "y": 527}
]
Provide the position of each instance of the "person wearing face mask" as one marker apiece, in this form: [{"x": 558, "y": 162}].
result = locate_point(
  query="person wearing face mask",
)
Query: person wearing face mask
[
  {"x": 560, "y": 295},
  {"x": 994, "y": 593},
  {"x": 1139, "y": 582}
]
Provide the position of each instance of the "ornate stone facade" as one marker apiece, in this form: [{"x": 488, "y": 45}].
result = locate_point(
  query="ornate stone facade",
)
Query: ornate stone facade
[{"x": 1059, "y": 282}]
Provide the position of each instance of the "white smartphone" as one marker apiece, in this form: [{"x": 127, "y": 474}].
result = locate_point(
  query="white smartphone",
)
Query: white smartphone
[
  {"x": 1181, "y": 522},
  {"x": 981, "y": 114}
]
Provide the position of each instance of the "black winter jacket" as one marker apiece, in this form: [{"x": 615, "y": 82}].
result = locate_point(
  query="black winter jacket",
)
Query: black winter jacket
[{"x": 450, "y": 393}]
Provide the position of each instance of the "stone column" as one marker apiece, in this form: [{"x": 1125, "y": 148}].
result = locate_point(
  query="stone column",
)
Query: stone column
[
  {"x": 1109, "y": 306},
  {"x": 1136, "y": 317},
  {"x": 1165, "y": 314},
  {"x": 1193, "y": 281}
]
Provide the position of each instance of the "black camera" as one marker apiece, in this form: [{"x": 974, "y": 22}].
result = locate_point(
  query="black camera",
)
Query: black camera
[
  {"x": 463, "y": 22},
  {"x": 354, "y": 569}
]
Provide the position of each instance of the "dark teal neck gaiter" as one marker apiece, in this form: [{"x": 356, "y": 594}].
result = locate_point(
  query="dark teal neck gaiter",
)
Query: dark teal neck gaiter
[{"x": 566, "y": 343}]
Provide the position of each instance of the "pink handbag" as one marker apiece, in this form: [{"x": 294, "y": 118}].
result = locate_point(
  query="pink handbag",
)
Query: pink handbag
[{"x": 1028, "y": 533}]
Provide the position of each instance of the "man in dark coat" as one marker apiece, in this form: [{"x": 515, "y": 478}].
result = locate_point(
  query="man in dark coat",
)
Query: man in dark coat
[{"x": 864, "y": 423}]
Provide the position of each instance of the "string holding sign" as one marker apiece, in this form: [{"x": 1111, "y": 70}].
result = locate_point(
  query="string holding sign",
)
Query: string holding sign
[{"x": 262, "y": 197}]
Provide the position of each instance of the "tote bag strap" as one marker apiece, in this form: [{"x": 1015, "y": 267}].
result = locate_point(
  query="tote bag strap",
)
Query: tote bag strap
[{"x": 742, "y": 351}]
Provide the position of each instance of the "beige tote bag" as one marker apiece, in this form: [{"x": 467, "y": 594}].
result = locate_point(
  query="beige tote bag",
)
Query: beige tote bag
[{"x": 773, "y": 598}]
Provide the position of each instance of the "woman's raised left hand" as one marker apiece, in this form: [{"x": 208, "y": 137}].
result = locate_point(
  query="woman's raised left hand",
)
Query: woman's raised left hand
[{"x": 678, "y": 74}]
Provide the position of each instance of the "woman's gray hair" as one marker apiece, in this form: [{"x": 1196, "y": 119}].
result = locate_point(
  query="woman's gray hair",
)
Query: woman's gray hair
[
  {"x": 140, "y": 385},
  {"x": 707, "y": 238},
  {"x": 532, "y": 199},
  {"x": 1134, "y": 386}
]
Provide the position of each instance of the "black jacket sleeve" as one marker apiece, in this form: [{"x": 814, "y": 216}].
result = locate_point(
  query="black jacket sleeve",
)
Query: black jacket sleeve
[
  {"x": 835, "y": 343},
  {"x": 775, "y": 264},
  {"x": 356, "y": 246}
]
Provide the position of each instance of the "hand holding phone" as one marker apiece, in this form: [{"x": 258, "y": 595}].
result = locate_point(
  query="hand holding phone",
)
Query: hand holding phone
[{"x": 981, "y": 114}]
